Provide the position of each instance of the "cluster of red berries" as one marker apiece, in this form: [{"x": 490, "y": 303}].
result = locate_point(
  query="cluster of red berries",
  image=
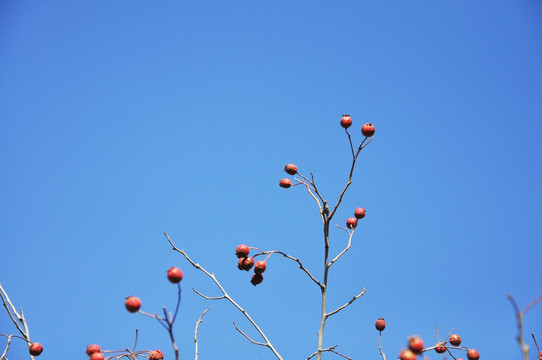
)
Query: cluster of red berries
[
  {"x": 133, "y": 303},
  {"x": 35, "y": 349},
  {"x": 95, "y": 353},
  {"x": 290, "y": 169},
  {"x": 352, "y": 222},
  {"x": 246, "y": 263},
  {"x": 367, "y": 130},
  {"x": 416, "y": 347}
]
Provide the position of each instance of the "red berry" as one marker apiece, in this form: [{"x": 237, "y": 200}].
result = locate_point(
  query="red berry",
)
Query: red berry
[
  {"x": 156, "y": 355},
  {"x": 259, "y": 267},
  {"x": 35, "y": 349},
  {"x": 242, "y": 251},
  {"x": 540, "y": 355},
  {"x": 415, "y": 344},
  {"x": 359, "y": 213},
  {"x": 380, "y": 324},
  {"x": 291, "y": 169},
  {"x": 175, "y": 275},
  {"x": 407, "y": 355},
  {"x": 440, "y": 348},
  {"x": 91, "y": 349},
  {"x": 346, "y": 121},
  {"x": 245, "y": 263},
  {"x": 132, "y": 304},
  {"x": 285, "y": 183},
  {"x": 256, "y": 279},
  {"x": 368, "y": 130},
  {"x": 97, "y": 356},
  {"x": 472, "y": 354},
  {"x": 351, "y": 223},
  {"x": 455, "y": 340}
]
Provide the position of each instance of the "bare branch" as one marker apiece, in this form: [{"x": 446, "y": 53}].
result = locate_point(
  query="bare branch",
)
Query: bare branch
[
  {"x": 196, "y": 331},
  {"x": 531, "y": 305},
  {"x": 12, "y": 312},
  {"x": 350, "y": 234},
  {"x": 380, "y": 347},
  {"x": 347, "y": 304},
  {"x": 248, "y": 337},
  {"x": 269, "y": 253},
  {"x": 330, "y": 349},
  {"x": 226, "y": 296},
  {"x": 209, "y": 297}
]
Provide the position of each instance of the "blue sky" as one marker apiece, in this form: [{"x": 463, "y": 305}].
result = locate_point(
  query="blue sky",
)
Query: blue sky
[{"x": 121, "y": 120}]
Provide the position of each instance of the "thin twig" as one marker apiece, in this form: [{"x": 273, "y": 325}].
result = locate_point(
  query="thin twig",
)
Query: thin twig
[
  {"x": 226, "y": 296},
  {"x": 350, "y": 234},
  {"x": 209, "y": 297},
  {"x": 347, "y": 304},
  {"x": 248, "y": 337},
  {"x": 380, "y": 347},
  {"x": 329, "y": 349},
  {"x": 269, "y": 253},
  {"x": 196, "y": 331}
]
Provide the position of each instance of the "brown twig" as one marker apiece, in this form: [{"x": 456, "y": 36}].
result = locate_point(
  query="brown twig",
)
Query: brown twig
[
  {"x": 226, "y": 296},
  {"x": 270, "y": 252},
  {"x": 380, "y": 346},
  {"x": 248, "y": 337},
  {"x": 350, "y": 234},
  {"x": 519, "y": 320},
  {"x": 16, "y": 318},
  {"x": 196, "y": 331},
  {"x": 347, "y": 304}
]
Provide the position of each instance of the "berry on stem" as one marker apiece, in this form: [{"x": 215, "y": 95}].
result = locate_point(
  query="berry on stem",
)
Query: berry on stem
[
  {"x": 97, "y": 356},
  {"x": 380, "y": 324},
  {"x": 91, "y": 349},
  {"x": 156, "y": 355},
  {"x": 472, "y": 354},
  {"x": 368, "y": 130},
  {"x": 440, "y": 348},
  {"x": 259, "y": 267},
  {"x": 132, "y": 304},
  {"x": 242, "y": 251},
  {"x": 351, "y": 223},
  {"x": 407, "y": 355},
  {"x": 285, "y": 183},
  {"x": 35, "y": 349},
  {"x": 455, "y": 340},
  {"x": 346, "y": 121},
  {"x": 359, "y": 213},
  {"x": 174, "y": 275},
  {"x": 245, "y": 263},
  {"x": 415, "y": 344},
  {"x": 290, "y": 169},
  {"x": 256, "y": 279}
]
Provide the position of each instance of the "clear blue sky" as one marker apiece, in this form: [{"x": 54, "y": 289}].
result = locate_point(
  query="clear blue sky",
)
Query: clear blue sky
[{"x": 121, "y": 120}]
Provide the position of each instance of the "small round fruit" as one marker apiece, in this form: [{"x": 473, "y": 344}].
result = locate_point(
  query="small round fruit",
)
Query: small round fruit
[
  {"x": 242, "y": 251},
  {"x": 245, "y": 263},
  {"x": 174, "y": 275},
  {"x": 256, "y": 279},
  {"x": 35, "y": 349},
  {"x": 346, "y": 121},
  {"x": 440, "y": 348},
  {"x": 97, "y": 356},
  {"x": 132, "y": 304},
  {"x": 285, "y": 183},
  {"x": 351, "y": 223},
  {"x": 156, "y": 355},
  {"x": 259, "y": 267},
  {"x": 380, "y": 324},
  {"x": 407, "y": 355},
  {"x": 455, "y": 340},
  {"x": 91, "y": 349},
  {"x": 368, "y": 130},
  {"x": 415, "y": 344},
  {"x": 359, "y": 213},
  {"x": 472, "y": 354},
  {"x": 290, "y": 169},
  {"x": 540, "y": 355}
]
